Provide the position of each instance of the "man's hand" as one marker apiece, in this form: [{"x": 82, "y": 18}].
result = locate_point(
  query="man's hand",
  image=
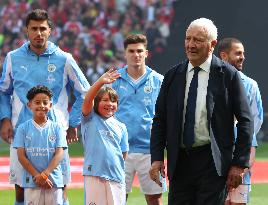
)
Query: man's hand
[
  {"x": 6, "y": 130},
  {"x": 72, "y": 135},
  {"x": 235, "y": 177},
  {"x": 156, "y": 168}
]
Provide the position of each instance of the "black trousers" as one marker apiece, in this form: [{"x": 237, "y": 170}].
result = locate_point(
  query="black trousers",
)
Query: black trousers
[{"x": 196, "y": 181}]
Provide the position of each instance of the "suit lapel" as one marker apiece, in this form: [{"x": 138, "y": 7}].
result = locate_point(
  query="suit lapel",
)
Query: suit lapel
[
  {"x": 215, "y": 84},
  {"x": 180, "y": 83}
]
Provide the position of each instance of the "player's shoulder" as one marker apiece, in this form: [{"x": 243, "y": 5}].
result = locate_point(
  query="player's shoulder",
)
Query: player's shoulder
[
  {"x": 249, "y": 80},
  {"x": 154, "y": 74}
]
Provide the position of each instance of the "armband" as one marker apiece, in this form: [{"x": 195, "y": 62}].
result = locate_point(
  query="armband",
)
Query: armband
[{"x": 44, "y": 176}]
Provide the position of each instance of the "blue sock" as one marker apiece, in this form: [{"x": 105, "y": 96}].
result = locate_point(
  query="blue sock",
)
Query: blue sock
[
  {"x": 66, "y": 202},
  {"x": 19, "y": 203}
]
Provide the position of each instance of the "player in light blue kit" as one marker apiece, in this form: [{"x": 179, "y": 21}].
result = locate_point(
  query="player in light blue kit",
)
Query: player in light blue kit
[
  {"x": 138, "y": 89},
  {"x": 232, "y": 51},
  {"x": 39, "y": 61},
  {"x": 105, "y": 142},
  {"x": 40, "y": 144}
]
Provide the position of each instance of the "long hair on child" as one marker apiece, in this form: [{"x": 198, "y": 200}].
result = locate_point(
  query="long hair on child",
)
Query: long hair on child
[{"x": 112, "y": 95}]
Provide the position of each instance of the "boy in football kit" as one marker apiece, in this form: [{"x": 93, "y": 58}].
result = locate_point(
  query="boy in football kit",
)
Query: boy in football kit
[
  {"x": 40, "y": 143},
  {"x": 105, "y": 142}
]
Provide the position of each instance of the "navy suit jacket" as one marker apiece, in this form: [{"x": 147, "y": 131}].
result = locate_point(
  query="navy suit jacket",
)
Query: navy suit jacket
[{"x": 226, "y": 98}]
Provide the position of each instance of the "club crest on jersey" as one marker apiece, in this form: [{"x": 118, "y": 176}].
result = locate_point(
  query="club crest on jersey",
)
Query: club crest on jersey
[
  {"x": 51, "y": 68},
  {"x": 148, "y": 89},
  {"x": 52, "y": 138}
]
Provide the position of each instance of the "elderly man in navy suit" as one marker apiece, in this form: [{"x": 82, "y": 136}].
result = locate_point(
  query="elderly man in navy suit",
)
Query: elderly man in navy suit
[{"x": 194, "y": 121}]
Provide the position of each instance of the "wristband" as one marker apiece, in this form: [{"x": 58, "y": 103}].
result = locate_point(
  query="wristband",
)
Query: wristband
[{"x": 44, "y": 176}]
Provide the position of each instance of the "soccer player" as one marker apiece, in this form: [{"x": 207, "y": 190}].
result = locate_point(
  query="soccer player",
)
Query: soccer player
[
  {"x": 232, "y": 51},
  {"x": 138, "y": 88}
]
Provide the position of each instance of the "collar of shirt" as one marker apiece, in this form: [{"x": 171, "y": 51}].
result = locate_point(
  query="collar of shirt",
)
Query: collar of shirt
[{"x": 204, "y": 66}]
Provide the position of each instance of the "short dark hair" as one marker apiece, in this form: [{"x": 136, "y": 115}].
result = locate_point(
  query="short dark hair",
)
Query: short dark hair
[
  {"x": 112, "y": 95},
  {"x": 225, "y": 44},
  {"x": 38, "y": 15},
  {"x": 39, "y": 89},
  {"x": 135, "y": 38}
]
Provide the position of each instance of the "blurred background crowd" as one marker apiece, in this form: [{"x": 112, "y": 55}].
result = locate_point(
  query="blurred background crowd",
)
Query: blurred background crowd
[{"x": 93, "y": 31}]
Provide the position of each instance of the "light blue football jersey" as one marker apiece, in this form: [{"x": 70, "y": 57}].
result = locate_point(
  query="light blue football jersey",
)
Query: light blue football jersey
[
  {"x": 255, "y": 101},
  {"x": 104, "y": 140},
  {"x": 56, "y": 69},
  {"x": 136, "y": 107},
  {"x": 40, "y": 145}
]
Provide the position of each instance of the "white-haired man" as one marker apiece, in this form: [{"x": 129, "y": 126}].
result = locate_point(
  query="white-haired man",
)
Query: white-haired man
[{"x": 199, "y": 137}]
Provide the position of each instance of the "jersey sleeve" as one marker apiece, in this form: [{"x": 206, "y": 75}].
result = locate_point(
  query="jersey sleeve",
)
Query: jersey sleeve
[
  {"x": 124, "y": 141},
  {"x": 257, "y": 109},
  {"x": 80, "y": 86},
  {"x": 257, "y": 112},
  {"x": 6, "y": 89},
  {"x": 19, "y": 137},
  {"x": 61, "y": 137}
]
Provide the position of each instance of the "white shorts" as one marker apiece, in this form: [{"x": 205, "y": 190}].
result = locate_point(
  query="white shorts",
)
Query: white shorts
[
  {"x": 103, "y": 192},
  {"x": 38, "y": 196},
  {"x": 141, "y": 163},
  {"x": 66, "y": 167},
  {"x": 16, "y": 169},
  {"x": 239, "y": 195}
]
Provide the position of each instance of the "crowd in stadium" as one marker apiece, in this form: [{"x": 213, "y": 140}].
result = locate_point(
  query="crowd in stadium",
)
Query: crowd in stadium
[{"x": 91, "y": 30}]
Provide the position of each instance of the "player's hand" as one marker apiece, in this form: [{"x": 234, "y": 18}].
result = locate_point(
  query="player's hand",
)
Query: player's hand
[
  {"x": 48, "y": 184},
  {"x": 235, "y": 177},
  {"x": 110, "y": 76},
  {"x": 72, "y": 135},
  {"x": 157, "y": 167},
  {"x": 6, "y": 130}
]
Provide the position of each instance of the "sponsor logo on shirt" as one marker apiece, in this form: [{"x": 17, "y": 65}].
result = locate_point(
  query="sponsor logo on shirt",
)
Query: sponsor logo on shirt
[
  {"x": 122, "y": 87},
  {"x": 24, "y": 67},
  {"x": 28, "y": 137},
  {"x": 50, "y": 79},
  {"x": 39, "y": 151},
  {"x": 147, "y": 101}
]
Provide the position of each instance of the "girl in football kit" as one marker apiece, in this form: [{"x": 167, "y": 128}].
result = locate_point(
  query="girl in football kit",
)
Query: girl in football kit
[{"x": 105, "y": 142}]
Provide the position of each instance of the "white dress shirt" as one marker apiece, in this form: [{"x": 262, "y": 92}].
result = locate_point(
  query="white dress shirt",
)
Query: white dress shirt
[{"x": 201, "y": 122}]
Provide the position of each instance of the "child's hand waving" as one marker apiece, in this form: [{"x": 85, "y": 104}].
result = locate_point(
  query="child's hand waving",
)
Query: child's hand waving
[{"x": 110, "y": 76}]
